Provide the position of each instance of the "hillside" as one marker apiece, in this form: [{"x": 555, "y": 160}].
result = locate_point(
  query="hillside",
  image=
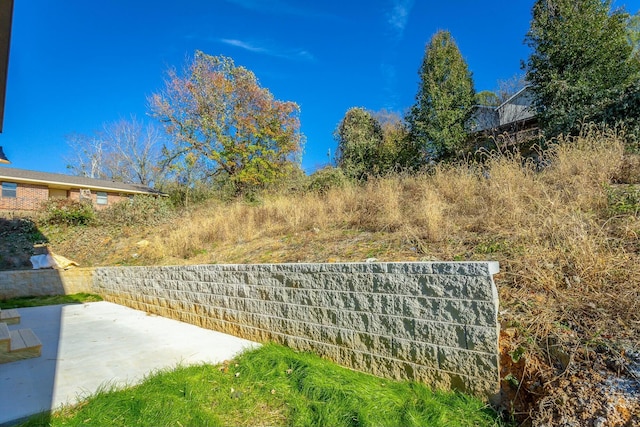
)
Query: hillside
[{"x": 566, "y": 237}]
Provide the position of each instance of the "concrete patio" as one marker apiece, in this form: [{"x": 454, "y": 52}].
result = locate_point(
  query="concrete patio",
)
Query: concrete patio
[{"x": 86, "y": 346}]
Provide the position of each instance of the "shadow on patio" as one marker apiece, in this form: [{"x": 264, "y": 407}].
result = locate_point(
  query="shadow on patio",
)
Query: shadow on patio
[{"x": 87, "y": 346}]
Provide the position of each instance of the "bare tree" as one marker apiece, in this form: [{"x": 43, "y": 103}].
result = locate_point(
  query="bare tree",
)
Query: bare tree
[
  {"x": 509, "y": 87},
  {"x": 87, "y": 154},
  {"x": 126, "y": 150}
]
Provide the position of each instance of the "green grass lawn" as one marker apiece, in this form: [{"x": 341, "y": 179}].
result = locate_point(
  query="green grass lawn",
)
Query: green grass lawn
[
  {"x": 271, "y": 385},
  {"x": 22, "y": 302}
]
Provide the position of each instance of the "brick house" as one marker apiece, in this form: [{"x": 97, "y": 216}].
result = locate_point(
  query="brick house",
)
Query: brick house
[{"x": 26, "y": 190}]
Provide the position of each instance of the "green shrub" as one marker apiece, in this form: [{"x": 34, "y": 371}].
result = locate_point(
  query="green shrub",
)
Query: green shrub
[
  {"x": 67, "y": 212},
  {"x": 326, "y": 178},
  {"x": 296, "y": 181},
  {"x": 137, "y": 210},
  {"x": 623, "y": 200},
  {"x": 181, "y": 195}
]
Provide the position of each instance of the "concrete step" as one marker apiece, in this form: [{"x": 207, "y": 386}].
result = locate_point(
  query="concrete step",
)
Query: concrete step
[
  {"x": 24, "y": 339},
  {"x": 10, "y": 317},
  {"x": 5, "y": 338},
  {"x": 22, "y": 344}
]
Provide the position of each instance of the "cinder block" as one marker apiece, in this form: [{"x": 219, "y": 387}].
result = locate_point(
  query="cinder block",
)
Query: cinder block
[
  {"x": 360, "y": 361},
  {"x": 387, "y": 367},
  {"x": 331, "y": 299},
  {"x": 443, "y": 286},
  {"x": 466, "y": 268},
  {"x": 396, "y": 284},
  {"x": 482, "y": 338},
  {"x": 469, "y": 363},
  {"x": 480, "y": 288},
  {"x": 358, "y": 321},
  {"x": 299, "y": 296},
  {"x": 442, "y": 334},
  {"x": 435, "y": 378},
  {"x": 410, "y": 268},
  {"x": 425, "y": 308},
  {"x": 320, "y": 315},
  {"x": 395, "y": 326},
  {"x": 484, "y": 387},
  {"x": 480, "y": 313},
  {"x": 423, "y": 354}
]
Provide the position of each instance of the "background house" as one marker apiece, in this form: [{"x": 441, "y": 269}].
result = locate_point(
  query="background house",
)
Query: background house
[
  {"x": 26, "y": 190},
  {"x": 484, "y": 117},
  {"x": 515, "y": 119}
]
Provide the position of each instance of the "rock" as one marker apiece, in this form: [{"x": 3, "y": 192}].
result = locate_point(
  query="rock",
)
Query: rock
[
  {"x": 143, "y": 243},
  {"x": 599, "y": 422}
]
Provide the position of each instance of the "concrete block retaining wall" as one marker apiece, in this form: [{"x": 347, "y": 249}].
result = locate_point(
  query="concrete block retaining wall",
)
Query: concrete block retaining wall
[
  {"x": 431, "y": 322},
  {"x": 24, "y": 283}
]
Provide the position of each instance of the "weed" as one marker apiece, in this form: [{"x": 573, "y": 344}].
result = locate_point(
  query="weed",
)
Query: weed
[
  {"x": 512, "y": 380},
  {"x": 492, "y": 247},
  {"x": 623, "y": 200},
  {"x": 67, "y": 212},
  {"x": 327, "y": 178},
  {"x": 137, "y": 210},
  {"x": 517, "y": 354}
]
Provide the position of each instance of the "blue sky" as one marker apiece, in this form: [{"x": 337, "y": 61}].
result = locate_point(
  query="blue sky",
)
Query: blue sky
[{"x": 76, "y": 64}]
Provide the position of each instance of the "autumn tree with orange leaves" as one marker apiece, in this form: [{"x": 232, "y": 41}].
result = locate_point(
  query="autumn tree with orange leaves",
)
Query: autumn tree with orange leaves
[{"x": 220, "y": 113}]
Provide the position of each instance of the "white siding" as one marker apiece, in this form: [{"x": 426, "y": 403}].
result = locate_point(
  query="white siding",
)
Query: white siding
[{"x": 516, "y": 108}]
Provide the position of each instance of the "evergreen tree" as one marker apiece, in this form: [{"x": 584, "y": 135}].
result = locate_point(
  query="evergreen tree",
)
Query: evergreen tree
[
  {"x": 582, "y": 63},
  {"x": 359, "y": 136},
  {"x": 437, "y": 121},
  {"x": 398, "y": 151}
]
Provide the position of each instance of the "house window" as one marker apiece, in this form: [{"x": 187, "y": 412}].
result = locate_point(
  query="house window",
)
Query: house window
[
  {"x": 9, "y": 190},
  {"x": 101, "y": 198}
]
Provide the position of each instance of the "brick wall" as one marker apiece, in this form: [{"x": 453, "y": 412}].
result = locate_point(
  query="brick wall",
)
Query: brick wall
[
  {"x": 112, "y": 198},
  {"x": 430, "y": 322},
  {"x": 28, "y": 197}
]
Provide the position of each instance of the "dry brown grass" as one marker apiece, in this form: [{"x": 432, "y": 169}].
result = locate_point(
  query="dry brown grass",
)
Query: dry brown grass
[{"x": 570, "y": 270}]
